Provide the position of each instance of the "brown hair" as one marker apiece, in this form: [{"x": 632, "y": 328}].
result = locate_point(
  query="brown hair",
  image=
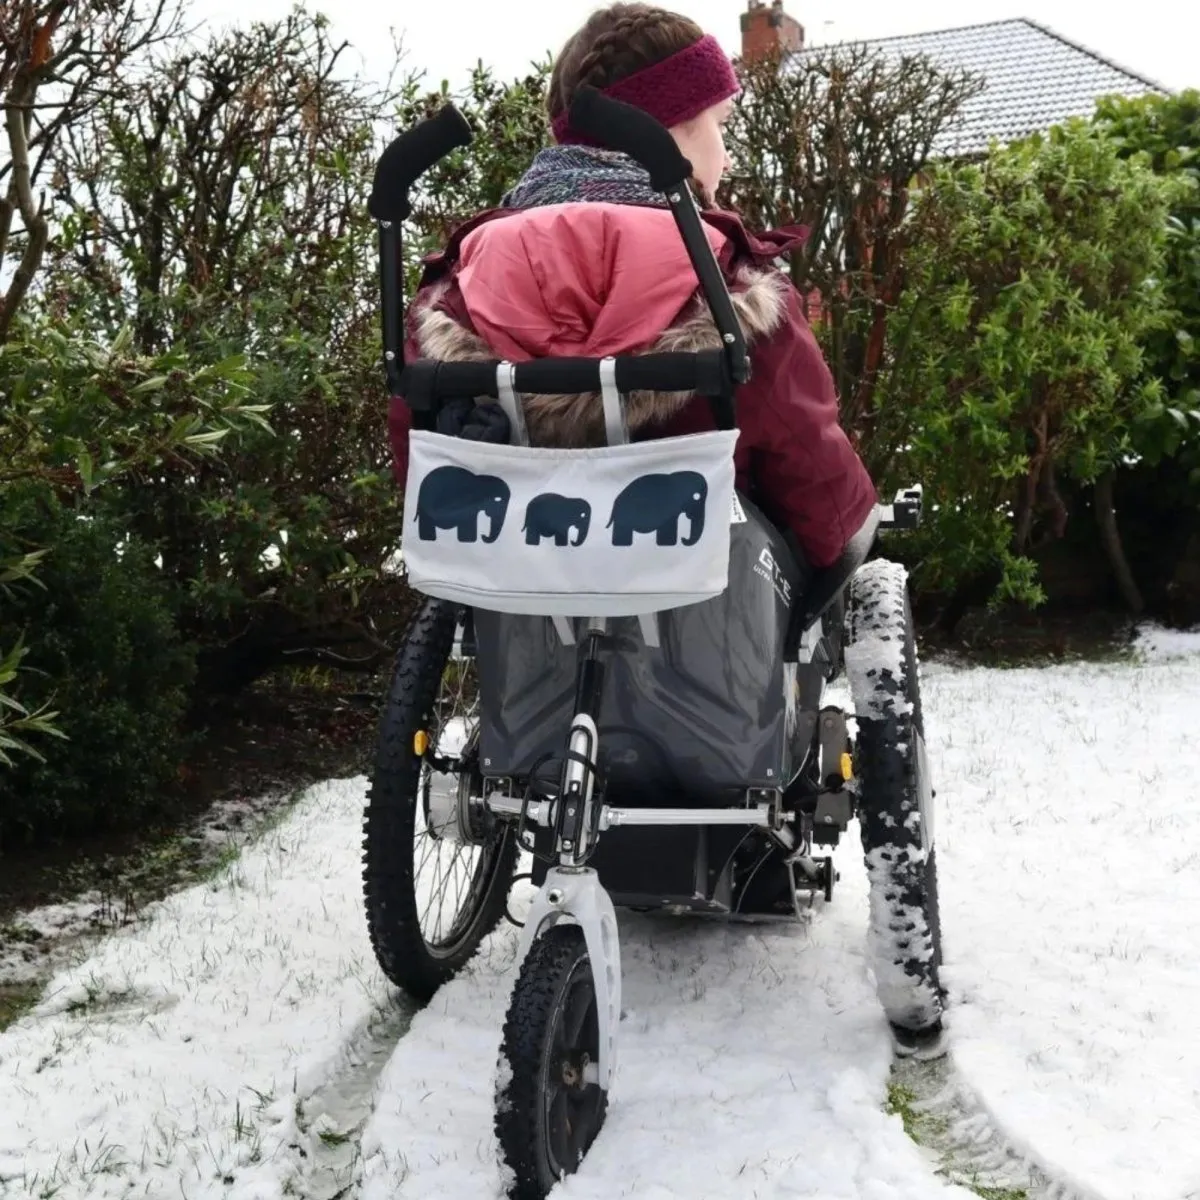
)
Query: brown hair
[{"x": 615, "y": 42}]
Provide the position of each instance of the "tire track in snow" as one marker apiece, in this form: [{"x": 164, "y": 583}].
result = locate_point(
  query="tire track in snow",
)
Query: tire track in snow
[
  {"x": 953, "y": 1125},
  {"x": 334, "y": 1116}
]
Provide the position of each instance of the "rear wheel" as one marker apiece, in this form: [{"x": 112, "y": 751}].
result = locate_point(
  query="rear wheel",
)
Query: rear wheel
[
  {"x": 895, "y": 801},
  {"x": 433, "y": 890},
  {"x": 548, "y": 1108}
]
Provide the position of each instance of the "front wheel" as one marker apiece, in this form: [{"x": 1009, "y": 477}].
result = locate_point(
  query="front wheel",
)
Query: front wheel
[
  {"x": 549, "y": 1106},
  {"x": 895, "y": 801}
]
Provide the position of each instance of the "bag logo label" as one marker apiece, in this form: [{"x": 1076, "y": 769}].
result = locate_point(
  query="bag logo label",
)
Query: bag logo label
[{"x": 770, "y": 570}]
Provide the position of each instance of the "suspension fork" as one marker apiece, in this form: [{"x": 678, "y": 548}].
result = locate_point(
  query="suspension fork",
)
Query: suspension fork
[{"x": 575, "y": 827}]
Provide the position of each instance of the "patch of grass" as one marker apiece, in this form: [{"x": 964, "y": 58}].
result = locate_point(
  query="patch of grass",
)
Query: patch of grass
[
  {"x": 16, "y": 999},
  {"x": 332, "y": 1137},
  {"x": 922, "y": 1127},
  {"x": 930, "y": 1131}
]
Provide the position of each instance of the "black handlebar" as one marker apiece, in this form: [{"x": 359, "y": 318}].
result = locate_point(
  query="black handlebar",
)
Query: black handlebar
[
  {"x": 409, "y": 157},
  {"x": 427, "y": 382},
  {"x": 634, "y": 132}
]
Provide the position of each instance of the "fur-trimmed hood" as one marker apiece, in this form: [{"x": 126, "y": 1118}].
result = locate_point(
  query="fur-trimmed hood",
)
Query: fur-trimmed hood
[{"x": 609, "y": 283}]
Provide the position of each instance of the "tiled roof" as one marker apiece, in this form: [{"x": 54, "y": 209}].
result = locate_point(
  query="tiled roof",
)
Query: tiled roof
[{"x": 1035, "y": 79}]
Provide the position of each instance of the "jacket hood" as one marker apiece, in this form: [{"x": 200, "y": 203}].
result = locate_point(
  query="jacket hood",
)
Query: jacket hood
[
  {"x": 586, "y": 280},
  {"x": 576, "y": 279}
]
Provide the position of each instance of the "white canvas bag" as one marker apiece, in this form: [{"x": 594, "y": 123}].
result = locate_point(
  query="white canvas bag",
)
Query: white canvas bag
[{"x": 617, "y": 530}]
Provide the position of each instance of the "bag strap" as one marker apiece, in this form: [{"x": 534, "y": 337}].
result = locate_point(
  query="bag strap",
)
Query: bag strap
[
  {"x": 615, "y": 427},
  {"x": 514, "y": 410}
]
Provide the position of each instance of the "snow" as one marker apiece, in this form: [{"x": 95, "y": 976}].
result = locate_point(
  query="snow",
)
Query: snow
[
  {"x": 176, "y": 1054},
  {"x": 202, "y": 1052},
  {"x": 876, "y": 649},
  {"x": 1070, "y": 858},
  {"x": 753, "y": 1062}
]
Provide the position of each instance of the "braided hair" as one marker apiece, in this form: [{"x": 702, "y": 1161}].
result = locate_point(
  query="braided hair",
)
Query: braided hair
[{"x": 614, "y": 43}]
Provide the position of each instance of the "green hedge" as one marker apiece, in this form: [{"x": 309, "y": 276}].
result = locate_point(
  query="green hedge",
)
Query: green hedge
[{"x": 105, "y": 655}]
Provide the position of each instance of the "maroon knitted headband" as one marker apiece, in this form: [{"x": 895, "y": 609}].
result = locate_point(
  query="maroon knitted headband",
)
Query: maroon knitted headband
[{"x": 672, "y": 91}]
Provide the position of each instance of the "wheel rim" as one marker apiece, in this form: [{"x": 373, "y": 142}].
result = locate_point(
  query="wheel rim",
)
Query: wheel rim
[
  {"x": 572, "y": 1107},
  {"x": 924, "y": 793},
  {"x": 450, "y": 878}
]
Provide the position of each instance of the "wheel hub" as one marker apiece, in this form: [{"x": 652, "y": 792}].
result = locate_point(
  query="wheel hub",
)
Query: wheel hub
[
  {"x": 455, "y": 812},
  {"x": 574, "y": 1070},
  {"x": 441, "y": 811}
]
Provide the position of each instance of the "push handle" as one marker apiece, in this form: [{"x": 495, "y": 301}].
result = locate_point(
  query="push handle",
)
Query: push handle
[
  {"x": 409, "y": 157},
  {"x": 399, "y": 167},
  {"x": 622, "y": 127},
  {"x": 634, "y": 132},
  {"x": 427, "y": 384}
]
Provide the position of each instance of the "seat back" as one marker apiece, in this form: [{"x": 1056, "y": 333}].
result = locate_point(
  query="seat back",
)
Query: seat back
[{"x": 696, "y": 719}]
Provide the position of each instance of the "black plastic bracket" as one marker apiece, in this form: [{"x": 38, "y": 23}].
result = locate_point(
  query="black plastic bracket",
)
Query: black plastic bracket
[{"x": 905, "y": 511}]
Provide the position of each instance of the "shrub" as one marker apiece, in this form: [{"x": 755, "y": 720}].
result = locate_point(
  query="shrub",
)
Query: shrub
[
  {"x": 1032, "y": 282},
  {"x": 104, "y": 653}
]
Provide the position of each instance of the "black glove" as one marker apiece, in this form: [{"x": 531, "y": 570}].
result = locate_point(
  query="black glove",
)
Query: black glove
[{"x": 475, "y": 422}]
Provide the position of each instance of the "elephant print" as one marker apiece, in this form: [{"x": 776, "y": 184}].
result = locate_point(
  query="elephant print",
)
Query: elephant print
[
  {"x": 655, "y": 503},
  {"x": 454, "y": 498},
  {"x": 552, "y": 516}
]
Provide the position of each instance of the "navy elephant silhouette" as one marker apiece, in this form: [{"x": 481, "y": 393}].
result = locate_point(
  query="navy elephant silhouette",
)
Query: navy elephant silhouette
[
  {"x": 655, "y": 503},
  {"x": 552, "y": 516},
  {"x": 454, "y": 498}
]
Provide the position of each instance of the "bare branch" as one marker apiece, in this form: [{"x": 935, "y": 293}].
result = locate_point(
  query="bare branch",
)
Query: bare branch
[{"x": 36, "y": 229}]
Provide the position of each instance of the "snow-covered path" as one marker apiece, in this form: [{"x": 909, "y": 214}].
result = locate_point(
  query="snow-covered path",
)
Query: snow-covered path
[
  {"x": 194, "y": 1055},
  {"x": 754, "y": 1063}
]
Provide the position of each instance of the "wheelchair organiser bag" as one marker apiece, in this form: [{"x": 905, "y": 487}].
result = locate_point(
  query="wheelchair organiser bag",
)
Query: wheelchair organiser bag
[{"x": 608, "y": 531}]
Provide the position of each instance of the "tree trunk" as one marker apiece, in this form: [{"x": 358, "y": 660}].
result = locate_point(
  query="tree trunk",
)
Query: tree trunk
[{"x": 1110, "y": 536}]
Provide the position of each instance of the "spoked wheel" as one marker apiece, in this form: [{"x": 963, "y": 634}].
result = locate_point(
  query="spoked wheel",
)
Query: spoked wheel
[
  {"x": 436, "y": 872},
  {"x": 548, "y": 1107},
  {"x": 895, "y": 803}
]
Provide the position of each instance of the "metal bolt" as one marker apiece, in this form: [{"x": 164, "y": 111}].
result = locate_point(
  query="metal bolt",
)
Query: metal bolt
[
  {"x": 390, "y": 356},
  {"x": 729, "y": 339},
  {"x": 675, "y": 197},
  {"x": 555, "y": 896}
]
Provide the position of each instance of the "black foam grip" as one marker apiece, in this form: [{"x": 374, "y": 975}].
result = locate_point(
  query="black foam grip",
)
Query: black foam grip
[
  {"x": 426, "y": 384},
  {"x": 622, "y": 127},
  {"x": 410, "y": 156},
  {"x": 674, "y": 372}
]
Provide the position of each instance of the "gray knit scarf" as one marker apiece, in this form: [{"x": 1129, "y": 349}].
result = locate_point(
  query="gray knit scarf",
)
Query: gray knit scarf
[{"x": 564, "y": 174}]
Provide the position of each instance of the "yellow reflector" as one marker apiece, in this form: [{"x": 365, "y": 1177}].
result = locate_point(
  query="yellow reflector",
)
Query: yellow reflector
[
  {"x": 847, "y": 767},
  {"x": 420, "y": 742}
]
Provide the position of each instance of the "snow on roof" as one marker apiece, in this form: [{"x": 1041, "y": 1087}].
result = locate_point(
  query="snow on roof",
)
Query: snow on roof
[{"x": 1035, "y": 78}]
